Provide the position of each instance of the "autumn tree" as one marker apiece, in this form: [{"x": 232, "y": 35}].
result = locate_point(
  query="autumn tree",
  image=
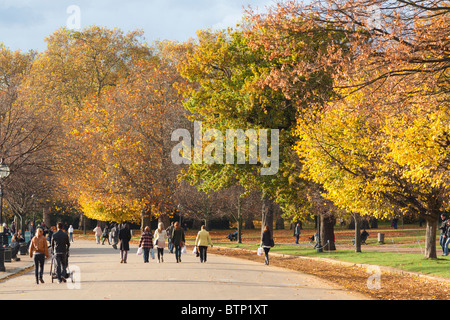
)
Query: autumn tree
[
  {"x": 110, "y": 101},
  {"x": 382, "y": 144},
  {"x": 24, "y": 138},
  {"x": 231, "y": 72}
]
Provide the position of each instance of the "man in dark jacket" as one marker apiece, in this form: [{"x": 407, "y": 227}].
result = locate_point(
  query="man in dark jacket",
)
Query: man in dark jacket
[
  {"x": 443, "y": 228},
  {"x": 60, "y": 247}
]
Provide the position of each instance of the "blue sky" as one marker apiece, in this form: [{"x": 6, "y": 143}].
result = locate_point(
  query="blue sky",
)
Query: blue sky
[{"x": 25, "y": 23}]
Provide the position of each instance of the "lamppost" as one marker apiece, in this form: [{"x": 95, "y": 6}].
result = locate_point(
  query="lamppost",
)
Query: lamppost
[{"x": 4, "y": 172}]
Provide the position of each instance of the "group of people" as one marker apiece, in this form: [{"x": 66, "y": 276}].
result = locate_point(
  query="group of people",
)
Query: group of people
[
  {"x": 175, "y": 237},
  {"x": 444, "y": 239},
  {"x": 39, "y": 251}
]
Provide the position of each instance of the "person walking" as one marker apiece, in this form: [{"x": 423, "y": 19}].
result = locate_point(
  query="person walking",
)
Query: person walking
[
  {"x": 169, "y": 231},
  {"x": 70, "y": 231},
  {"x": 114, "y": 235},
  {"x": 266, "y": 243},
  {"x": 443, "y": 229},
  {"x": 297, "y": 232},
  {"x": 160, "y": 241},
  {"x": 60, "y": 248},
  {"x": 202, "y": 241},
  {"x": 446, "y": 239},
  {"x": 98, "y": 233},
  {"x": 124, "y": 238},
  {"x": 178, "y": 240},
  {"x": 105, "y": 235},
  {"x": 146, "y": 243},
  {"x": 39, "y": 252}
]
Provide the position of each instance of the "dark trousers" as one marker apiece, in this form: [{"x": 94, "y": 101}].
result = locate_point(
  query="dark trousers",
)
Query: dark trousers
[
  {"x": 202, "y": 250},
  {"x": 146, "y": 253},
  {"x": 61, "y": 266},
  {"x": 39, "y": 260},
  {"x": 178, "y": 252},
  {"x": 266, "y": 253},
  {"x": 160, "y": 253}
]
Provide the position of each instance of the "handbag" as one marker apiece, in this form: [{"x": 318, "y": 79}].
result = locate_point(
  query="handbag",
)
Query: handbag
[
  {"x": 260, "y": 251},
  {"x": 152, "y": 253},
  {"x": 195, "y": 250},
  {"x": 183, "y": 250},
  {"x": 139, "y": 251}
]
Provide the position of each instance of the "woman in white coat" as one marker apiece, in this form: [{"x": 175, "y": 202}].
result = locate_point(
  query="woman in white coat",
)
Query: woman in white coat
[{"x": 160, "y": 241}]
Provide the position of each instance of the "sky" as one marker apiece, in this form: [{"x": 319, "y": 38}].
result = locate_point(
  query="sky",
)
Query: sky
[{"x": 25, "y": 23}]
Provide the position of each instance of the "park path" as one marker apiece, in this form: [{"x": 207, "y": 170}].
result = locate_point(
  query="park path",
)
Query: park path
[{"x": 99, "y": 275}]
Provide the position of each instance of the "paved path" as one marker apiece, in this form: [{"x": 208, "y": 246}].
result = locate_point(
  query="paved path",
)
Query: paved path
[{"x": 99, "y": 275}]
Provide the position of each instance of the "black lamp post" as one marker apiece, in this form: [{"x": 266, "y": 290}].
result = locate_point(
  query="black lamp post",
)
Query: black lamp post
[{"x": 4, "y": 172}]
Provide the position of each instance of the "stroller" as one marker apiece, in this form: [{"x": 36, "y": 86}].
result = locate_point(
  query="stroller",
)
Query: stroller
[{"x": 66, "y": 274}]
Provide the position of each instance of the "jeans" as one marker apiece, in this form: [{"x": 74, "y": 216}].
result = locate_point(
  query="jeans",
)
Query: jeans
[
  {"x": 71, "y": 237},
  {"x": 202, "y": 250},
  {"x": 97, "y": 238},
  {"x": 446, "y": 244},
  {"x": 170, "y": 246},
  {"x": 442, "y": 242},
  {"x": 61, "y": 266},
  {"x": 146, "y": 253},
  {"x": 39, "y": 259},
  {"x": 178, "y": 252}
]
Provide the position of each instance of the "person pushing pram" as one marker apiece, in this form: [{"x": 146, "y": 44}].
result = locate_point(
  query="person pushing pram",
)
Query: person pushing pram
[{"x": 60, "y": 247}]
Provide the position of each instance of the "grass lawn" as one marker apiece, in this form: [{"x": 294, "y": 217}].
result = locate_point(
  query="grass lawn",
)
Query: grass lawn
[{"x": 404, "y": 261}]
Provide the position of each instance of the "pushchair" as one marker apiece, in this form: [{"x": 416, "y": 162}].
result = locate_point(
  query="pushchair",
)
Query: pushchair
[{"x": 66, "y": 274}]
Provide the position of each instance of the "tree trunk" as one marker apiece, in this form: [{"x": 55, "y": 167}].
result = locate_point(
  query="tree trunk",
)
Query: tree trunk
[
  {"x": 430, "y": 237},
  {"x": 146, "y": 219},
  {"x": 164, "y": 218},
  {"x": 46, "y": 216},
  {"x": 248, "y": 224},
  {"x": 267, "y": 215},
  {"x": 239, "y": 216},
  {"x": 357, "y": 219},
  {"x": 327, "y": 222}
]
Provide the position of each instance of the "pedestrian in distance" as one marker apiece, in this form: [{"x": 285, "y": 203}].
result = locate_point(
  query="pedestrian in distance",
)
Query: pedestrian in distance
[
  {"x": 39, "y": 252},
  {"x": 394, "y": 222},
  {"x": 202, "y": 241},
  {"x": 146, "y": 243},
  {"x": 60, "y": 248},
  {"x": 160, "y": 241},
  {"x": 169, "y": 231},
  {"x": 446, "y": 238},
  {"x": 178, "y": 240},
  {"x": 266, "y": 243},
  {"x": 124, "y": 238},
  {"x": 98, "y": 233},
  {"x": 114, "y": 235},
  {"x": 105, "y": 235},
  {"x": 70, "y": 231},
  {"x": 443, "y": 229},
  {"x": 297, "y": 233},
  {"x": 15, "y": 247}
]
